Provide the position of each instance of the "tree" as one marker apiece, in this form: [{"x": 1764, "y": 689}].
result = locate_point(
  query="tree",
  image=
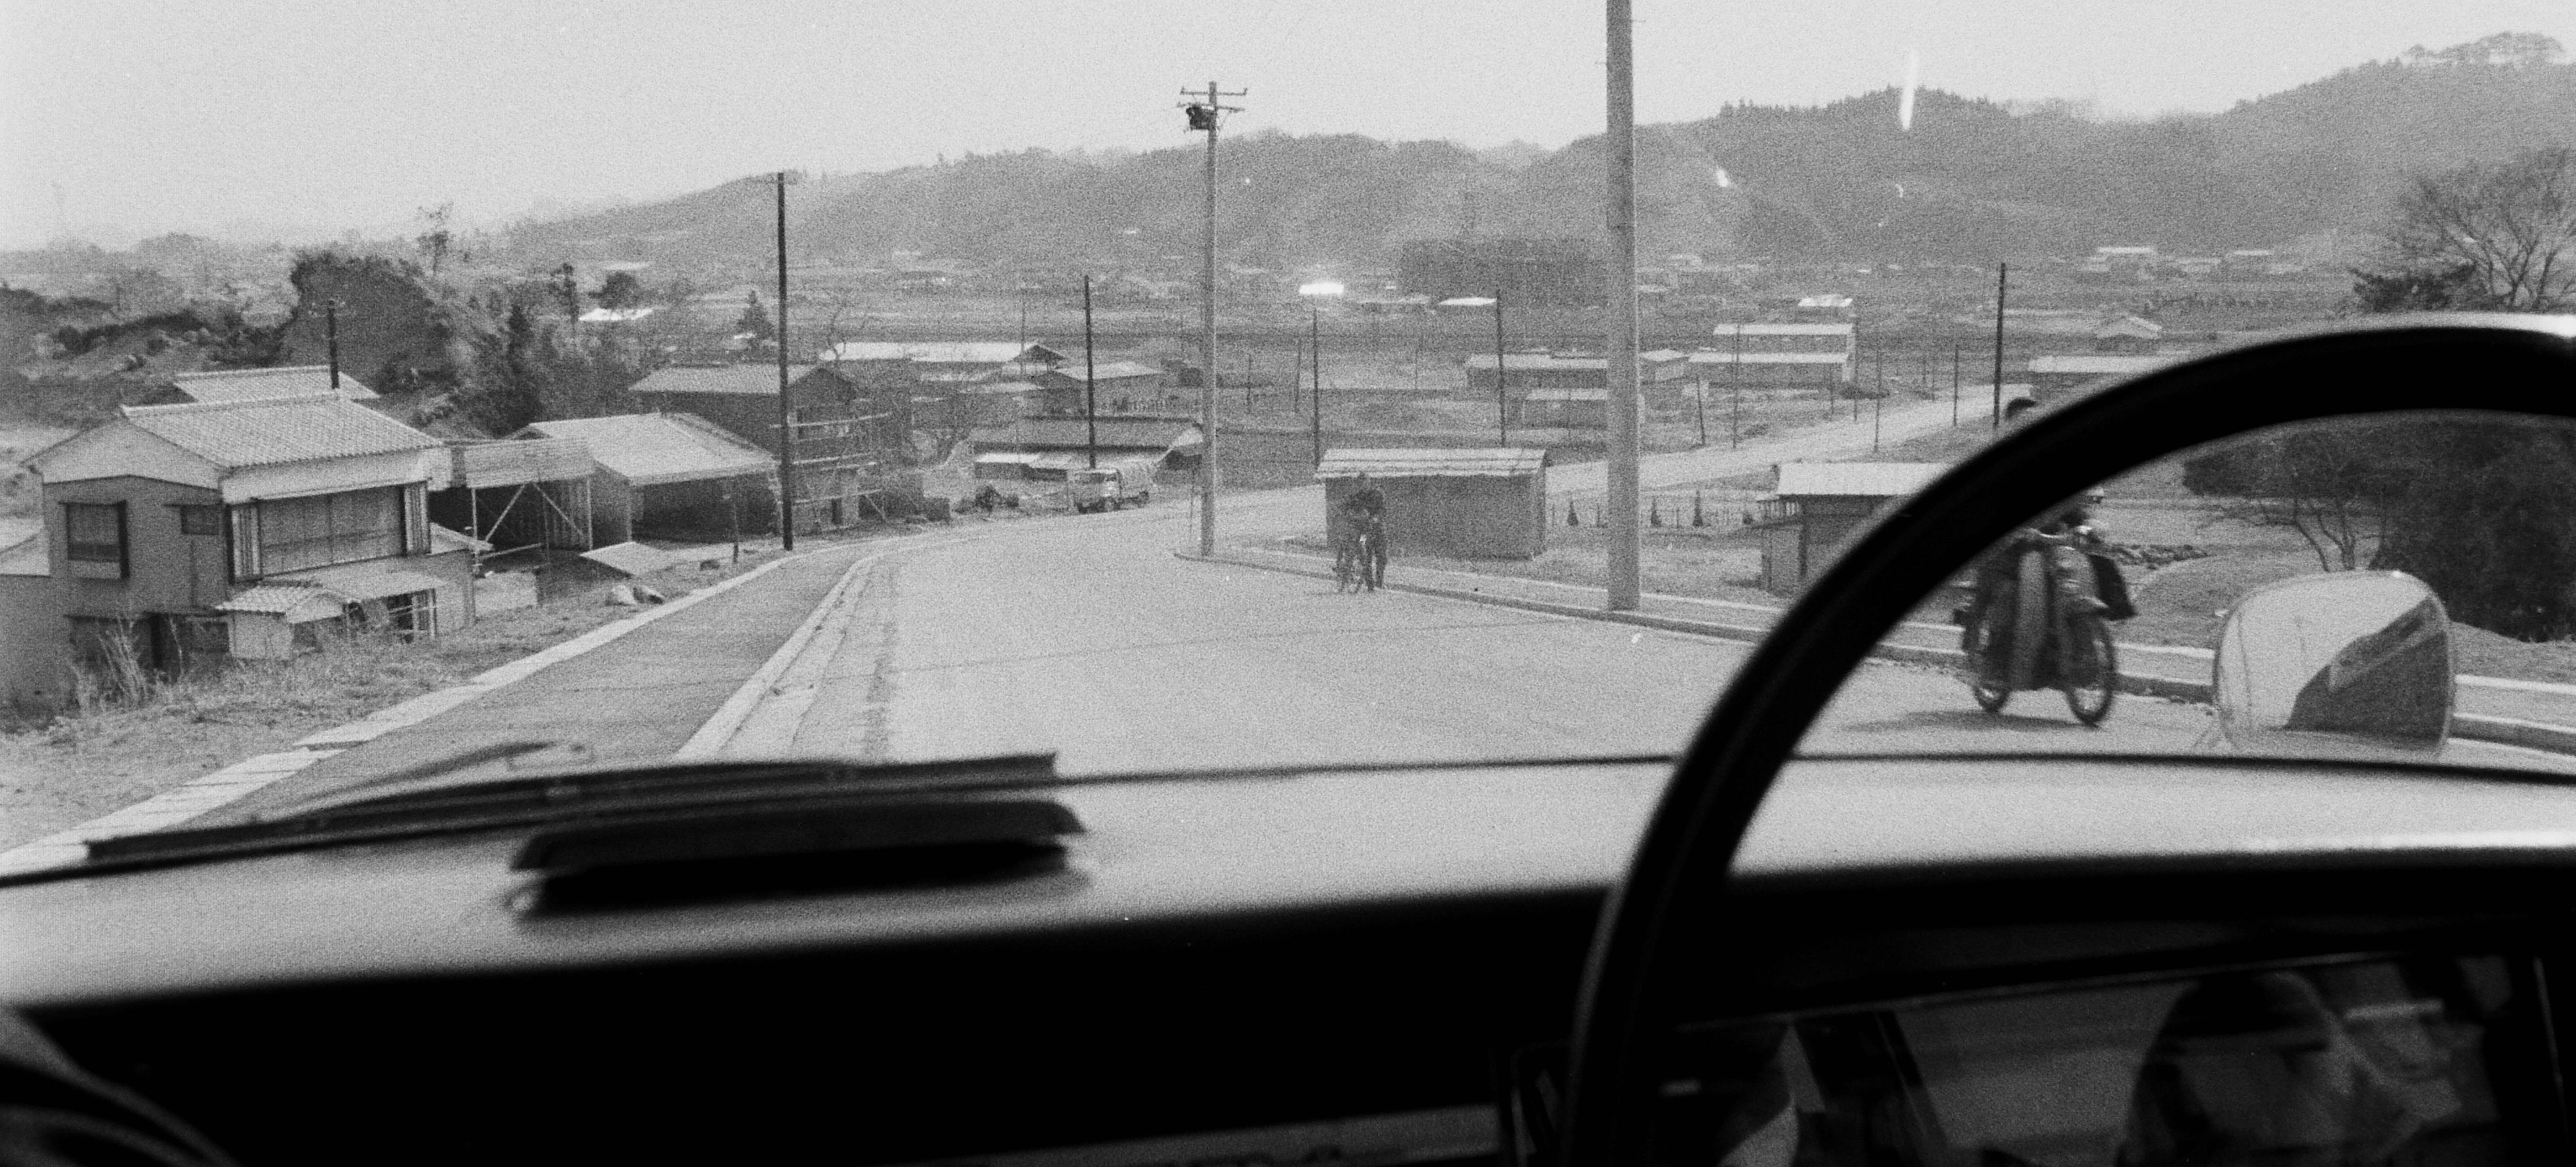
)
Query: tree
[
  {"x": 435, "y": 241},
  {"x": 620, "y": 290},
  {"x": 755, "y": 320},
  {"x": 2488, "y": 236}
]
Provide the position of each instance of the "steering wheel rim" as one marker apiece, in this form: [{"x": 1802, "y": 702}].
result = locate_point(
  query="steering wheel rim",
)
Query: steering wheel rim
[{"x": 1670, "y": 917}]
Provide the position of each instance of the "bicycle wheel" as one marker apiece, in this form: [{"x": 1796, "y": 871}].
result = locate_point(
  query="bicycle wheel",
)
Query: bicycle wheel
[
  {"x": 1991, "y": 694},
  {"x": 1343, "y": 575},
  {"x": 2090, "y": 672}
]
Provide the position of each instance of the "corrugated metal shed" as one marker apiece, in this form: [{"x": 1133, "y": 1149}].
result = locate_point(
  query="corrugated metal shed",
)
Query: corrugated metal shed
[
  {"x": 1854, "y": 479},
  {"x": 274, "y": 431},
  {"x": 260, "y": 384},
  {"x": 648, "y": 449},
  {"x": 508, "y": 463},
  {"x": 1493, "y": 462}
]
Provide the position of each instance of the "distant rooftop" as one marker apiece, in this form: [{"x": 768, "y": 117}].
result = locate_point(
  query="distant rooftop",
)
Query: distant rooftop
[
  {"x": 756, "y": 380},
  {"x": 648, "y": 449},
  {"x": 1785, "y": 328},
  {"x": 255, "y": 384}
]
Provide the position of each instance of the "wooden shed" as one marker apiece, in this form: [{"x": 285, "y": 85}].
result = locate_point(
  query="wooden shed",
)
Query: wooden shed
[
  {"x": 1817, "y": 507},
  {"x": 1486, "y": 503}
]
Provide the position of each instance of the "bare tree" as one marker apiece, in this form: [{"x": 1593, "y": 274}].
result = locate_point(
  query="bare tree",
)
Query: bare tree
[
  {"x": 2497, "y": 236},
  {"x": 435, "y": 241}
]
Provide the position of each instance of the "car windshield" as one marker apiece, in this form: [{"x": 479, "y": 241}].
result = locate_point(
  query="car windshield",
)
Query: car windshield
[{"x": 481, "y": 389}]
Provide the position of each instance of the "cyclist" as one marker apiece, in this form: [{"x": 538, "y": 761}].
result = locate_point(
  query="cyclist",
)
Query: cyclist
[{"x": 1364, "y": 513}]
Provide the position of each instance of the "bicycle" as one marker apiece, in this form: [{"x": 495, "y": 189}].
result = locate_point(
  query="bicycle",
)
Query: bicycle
[
  {"x": 1360, "y": 561},
  {"x": 2057, "y": 638}
]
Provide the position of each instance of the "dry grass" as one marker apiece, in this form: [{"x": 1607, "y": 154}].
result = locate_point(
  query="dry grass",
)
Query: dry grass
[{"x": 130, "y": 736}]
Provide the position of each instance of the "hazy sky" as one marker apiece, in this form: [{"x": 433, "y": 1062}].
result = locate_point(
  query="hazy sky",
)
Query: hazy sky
[{"x": 126, "y": 117}]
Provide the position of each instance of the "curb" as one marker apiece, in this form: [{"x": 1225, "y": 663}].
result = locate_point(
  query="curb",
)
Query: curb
[
  {"x": 199, "y": 795},
  {"x": 2558, "y": 739},
  {"x": 719, "y": 730}
]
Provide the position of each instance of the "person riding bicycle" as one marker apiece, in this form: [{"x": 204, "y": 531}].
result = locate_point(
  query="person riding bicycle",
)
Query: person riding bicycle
[{"x": 1364, "y": 513}]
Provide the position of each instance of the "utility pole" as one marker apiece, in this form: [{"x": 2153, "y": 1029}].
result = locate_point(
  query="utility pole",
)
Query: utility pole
[
  {"x": 1315, "y": 341},
  {"x": 1954, "y": 386},
  {"x": 331, "y": 330},
  {"x": 1703, "y": 411},
  {"x": 2001, "y": 272},
  {"x": 1502, "y": 397},
  {"x": 786, "y": 416},
  {"x": 1204, "y": 110},
  {"x": 572, "y": 299},
  {"x": 1622, "y": 140},
  {"x": 1878, "y": 407},
  {"x": 1090, "y": 385}
]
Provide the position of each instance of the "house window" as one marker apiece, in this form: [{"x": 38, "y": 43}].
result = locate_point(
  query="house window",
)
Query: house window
[
  {"x": 298, "y": 533},
  {"x": 201, "y": 520},
  {"x": 94, "y": 535}
]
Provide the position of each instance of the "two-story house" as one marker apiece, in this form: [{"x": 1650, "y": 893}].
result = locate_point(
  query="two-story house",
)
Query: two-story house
[{"x": 232, "y": 528}]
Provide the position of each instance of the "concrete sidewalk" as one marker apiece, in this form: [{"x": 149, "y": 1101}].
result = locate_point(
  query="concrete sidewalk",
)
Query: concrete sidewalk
[{"x": 2532, "y": 714}]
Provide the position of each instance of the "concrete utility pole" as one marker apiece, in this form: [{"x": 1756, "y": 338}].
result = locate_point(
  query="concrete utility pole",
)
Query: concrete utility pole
[
  {"x": 786, "y": 416},
  {"x": 1622, "y": 273},
  {"x": 1204, "y": 110}
]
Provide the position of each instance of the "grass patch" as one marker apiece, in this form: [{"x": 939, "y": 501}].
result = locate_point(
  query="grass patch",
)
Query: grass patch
[{"x": 132, "y": 736}]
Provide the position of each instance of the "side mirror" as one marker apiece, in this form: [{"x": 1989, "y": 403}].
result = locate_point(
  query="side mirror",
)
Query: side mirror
[{"x": 2355, "y": 659}]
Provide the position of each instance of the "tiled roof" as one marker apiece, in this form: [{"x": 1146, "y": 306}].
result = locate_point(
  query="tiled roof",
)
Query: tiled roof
[
  {"x": 1856, "y": 479},
  {"x": 254, "y": 384},
  {"x": 1104, "y": 371},
  {"x": 1492, "y": 462},
  {"x": 755, "y": 380},
  {"x": 277, "y": 430},
  {"x": 1059, "y": 433},
  {"x": 368, "y": 581},
  {"x": 648, "y": 449}
]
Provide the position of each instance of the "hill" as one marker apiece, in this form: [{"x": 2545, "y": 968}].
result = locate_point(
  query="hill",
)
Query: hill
[{"x": 1970, "y": 180}]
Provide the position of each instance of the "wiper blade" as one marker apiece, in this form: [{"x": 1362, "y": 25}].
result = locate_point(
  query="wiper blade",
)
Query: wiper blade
[{"x": 601, "y": 793}]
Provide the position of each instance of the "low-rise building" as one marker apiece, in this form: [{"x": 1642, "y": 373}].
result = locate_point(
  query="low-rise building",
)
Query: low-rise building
[
  {"x": 1816, "y": 508},
  {"x": 853, "y": 430},
  {"x": 1174, "y": 444},
  {"x": 1538, "y": 370},
  {"x": 2052, "y": 377},
  {"x": 256, "y": 385},
  {"x": 1104, "y": 386},
  {"x": 1471, "y": 503},
  {"x": 204, "y": 531},
  {"x": 669, "y": 475},
  {"x": 1795, "y": 354},
  {"x": 1586, "y": 409}
]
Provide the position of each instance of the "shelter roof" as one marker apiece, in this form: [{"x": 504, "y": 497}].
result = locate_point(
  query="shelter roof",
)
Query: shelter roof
[
  {"x": 631, "y": 558},
  {"x": 650, "y": 449},
  {"x": 501, "y": 462},
  {"x": 276, "y": 430},
  {"x": 754, "y": 380},
  {"x": 283, "y": 598},
  {"x": 256, "y": 384},
  {"x": 1855, "y": 479},
  {"x": 367, "y": 581},
  {"x": 1485, "y": 462}
]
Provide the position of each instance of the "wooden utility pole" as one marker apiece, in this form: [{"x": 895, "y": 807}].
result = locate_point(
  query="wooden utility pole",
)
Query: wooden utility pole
[
  {"x": 1315, "y": 341},
  {"x": 2002, "y": 271},
  {"x": 1622, "y": 281},
  {"x": 331, "y": 331},
  {"x": 1954, "y": 386},
  {"x": 1502, "y": 398},
  {"x": 1090, "y": 385},
  {"x": 1204, "y": 110},
  {"x": 786, "y": 416}
]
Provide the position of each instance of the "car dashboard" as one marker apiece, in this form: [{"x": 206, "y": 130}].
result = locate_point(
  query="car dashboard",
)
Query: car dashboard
[{"x": 1355, "y": 967}]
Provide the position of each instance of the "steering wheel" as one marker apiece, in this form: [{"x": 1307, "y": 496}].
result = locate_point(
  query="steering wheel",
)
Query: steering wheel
[
  {"x": 54, "y": 1114},
  {"x": 1665, "y": 933}
]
